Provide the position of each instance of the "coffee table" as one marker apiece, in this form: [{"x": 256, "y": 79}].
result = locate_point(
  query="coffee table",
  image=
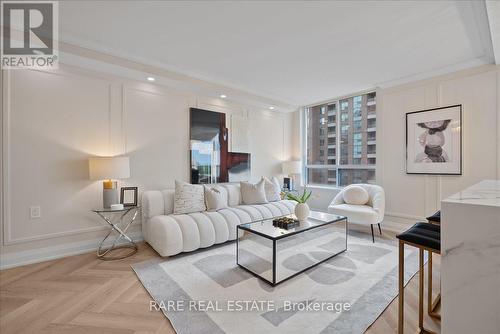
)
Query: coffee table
[{"x": 275, "y": 254}]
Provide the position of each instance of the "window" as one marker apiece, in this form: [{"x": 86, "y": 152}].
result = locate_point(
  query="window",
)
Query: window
[
  {"x": 344, "y": 105},
  {"x": 357, "y": 148},
  {"x": 350, "y": 156}
]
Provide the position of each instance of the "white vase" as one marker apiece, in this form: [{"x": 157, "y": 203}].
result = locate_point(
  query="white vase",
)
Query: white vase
[{"x": 302, "y": 211}]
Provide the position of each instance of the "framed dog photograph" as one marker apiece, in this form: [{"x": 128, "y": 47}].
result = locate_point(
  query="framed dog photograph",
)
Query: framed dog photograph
[{"x": 434, "y": 141}]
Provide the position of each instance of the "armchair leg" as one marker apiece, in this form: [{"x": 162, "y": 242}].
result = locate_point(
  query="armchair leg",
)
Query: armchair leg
[
  {"x": 373, "y": 236},
  {"x": 379, "y": 228}
]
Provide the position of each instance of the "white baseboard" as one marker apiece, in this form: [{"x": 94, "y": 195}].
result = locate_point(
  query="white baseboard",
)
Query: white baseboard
[
  {"x": 16, "y": 259},
  {"x": 404, "y": 218}
]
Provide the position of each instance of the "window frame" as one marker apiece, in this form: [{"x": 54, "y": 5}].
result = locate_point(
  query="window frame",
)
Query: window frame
[{"x": 337, "y": 167}]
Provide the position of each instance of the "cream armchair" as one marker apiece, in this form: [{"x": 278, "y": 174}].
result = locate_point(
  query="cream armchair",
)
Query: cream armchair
[{"x": 370, "y": 213}]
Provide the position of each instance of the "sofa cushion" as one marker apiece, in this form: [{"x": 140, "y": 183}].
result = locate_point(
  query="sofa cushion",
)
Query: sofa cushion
[
  {"x": 361, "y": 214},
  {"x": 189, "y": 231},
  {"x": 205, "y": 228},
  {"x": 220, "y": 226},
  {"x": 253, "y": 193},
  {"x": 164, "y": 235},
  {"x": 273, "y": 189},
  {"x": 188, "y": 198},
  {"x": 355, "y": 195},
  {"x": 215, "y": 197}
]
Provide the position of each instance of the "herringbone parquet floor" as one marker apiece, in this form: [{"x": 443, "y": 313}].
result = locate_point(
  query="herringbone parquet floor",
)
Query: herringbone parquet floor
[{"x": 81, "y": 294}]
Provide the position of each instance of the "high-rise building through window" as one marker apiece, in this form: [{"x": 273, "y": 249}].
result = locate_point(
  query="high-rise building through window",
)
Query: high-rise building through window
[{"x": 341, "y": 141}]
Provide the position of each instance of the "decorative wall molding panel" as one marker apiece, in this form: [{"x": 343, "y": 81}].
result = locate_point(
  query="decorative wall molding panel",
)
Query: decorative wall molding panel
[{"x": 74, "y": 113}]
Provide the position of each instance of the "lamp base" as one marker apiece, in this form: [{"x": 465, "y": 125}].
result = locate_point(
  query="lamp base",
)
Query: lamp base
[{"x": 110, "y": 194}]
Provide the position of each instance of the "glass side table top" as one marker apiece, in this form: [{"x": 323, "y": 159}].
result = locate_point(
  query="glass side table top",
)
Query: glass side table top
[{"x": 126, "y": 208}]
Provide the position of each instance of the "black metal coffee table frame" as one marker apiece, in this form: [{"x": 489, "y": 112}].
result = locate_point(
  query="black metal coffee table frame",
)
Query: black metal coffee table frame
[{"x": 247, "y": 229}]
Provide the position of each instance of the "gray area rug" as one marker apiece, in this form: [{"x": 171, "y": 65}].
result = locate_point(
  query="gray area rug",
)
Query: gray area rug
[{"x": 206, "y": 292}]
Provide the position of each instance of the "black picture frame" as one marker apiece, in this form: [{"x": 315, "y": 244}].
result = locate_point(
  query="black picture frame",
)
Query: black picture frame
[
  {"x": 122, "y": 196},
  {"x": 409, "y": 114}
]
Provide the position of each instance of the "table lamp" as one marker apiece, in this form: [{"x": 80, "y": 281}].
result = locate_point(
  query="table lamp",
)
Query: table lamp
[
  {"x": 106, "y": 169},
  {"x": 291, "y": 168}
]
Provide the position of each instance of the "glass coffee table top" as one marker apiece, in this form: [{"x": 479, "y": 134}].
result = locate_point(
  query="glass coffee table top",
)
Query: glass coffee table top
[{"x": 266, "y": 229}]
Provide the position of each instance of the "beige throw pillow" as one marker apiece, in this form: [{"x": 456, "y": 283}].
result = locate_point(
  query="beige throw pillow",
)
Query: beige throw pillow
[
  {"x": 215, "y": 197},
  {"x": 188, "y": 198},
  {"x": 273, "y": 189},
  {"x": 253, "y": 193}
]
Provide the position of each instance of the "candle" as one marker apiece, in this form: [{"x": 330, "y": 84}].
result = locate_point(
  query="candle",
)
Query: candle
[{"x": 108, "y": 184}]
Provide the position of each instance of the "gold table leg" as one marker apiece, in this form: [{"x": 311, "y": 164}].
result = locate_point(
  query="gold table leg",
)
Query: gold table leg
[
  {"x": 432, "y": 305},
  {"x": 421, "y": 274},
  {"x": 401, "y": 287}
]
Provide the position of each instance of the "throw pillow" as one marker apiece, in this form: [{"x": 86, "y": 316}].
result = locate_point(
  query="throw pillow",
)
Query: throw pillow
[
  {"x": 273, "y": 189},
  {"x": 188, "y": 198},
  {"x": 215, "y": 197},
  {"x": 253, "y": 193},
  {"x": 233, "y": 193},
  {"x": 355, "y": 195}
]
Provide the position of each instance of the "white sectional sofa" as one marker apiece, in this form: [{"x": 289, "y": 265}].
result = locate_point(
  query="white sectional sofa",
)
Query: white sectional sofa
[{"x": 171, "y": 234}]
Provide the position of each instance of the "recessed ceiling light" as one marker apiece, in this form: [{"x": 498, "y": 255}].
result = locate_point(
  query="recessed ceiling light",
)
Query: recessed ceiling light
[
  {"x": 223, "y": 96},
  {"x": 150, "y": 79},
  {"x": 271, "y": 108}
]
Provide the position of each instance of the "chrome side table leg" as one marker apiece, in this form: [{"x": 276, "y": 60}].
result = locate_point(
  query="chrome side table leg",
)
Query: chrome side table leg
[{"x": 103, "y": 253}]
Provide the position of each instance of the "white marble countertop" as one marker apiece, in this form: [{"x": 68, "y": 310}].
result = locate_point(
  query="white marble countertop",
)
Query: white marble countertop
[{"x": 486, "y": 193}]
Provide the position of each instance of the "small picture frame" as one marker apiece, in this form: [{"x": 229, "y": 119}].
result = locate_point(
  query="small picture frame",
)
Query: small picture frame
[{"x": 128, "y": 196}]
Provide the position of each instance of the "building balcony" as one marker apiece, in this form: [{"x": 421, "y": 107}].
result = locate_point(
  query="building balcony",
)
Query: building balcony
[
  {"x": 331, "y": 124},
  {"x": 332, "y": 135},
  {"x": 371, "y": 155},
  {"x": 371, "y": 129},
  {"x": 370, "y": 142},
  {"x": 332, "y": 146},
  {"x": 371, "y": 115},
  {"x": 371, "y": 102}
]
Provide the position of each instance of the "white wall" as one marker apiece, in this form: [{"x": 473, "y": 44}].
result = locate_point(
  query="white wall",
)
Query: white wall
[
  {"x": 416, "y": 196},
  {"x": 420, "y": 195},
  {"x": 53, "y": 121}
]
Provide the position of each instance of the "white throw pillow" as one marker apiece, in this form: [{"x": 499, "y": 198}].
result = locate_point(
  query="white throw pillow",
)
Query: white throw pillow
[
  {"x": 355, "y": 195},
  {"x": 215, "y": 197},
  {"x": 253, "y": 193},
  {"x": 233, "y": 193},
  {"x": 273, "y": 189},
  {"x": 188, "y": 198}
]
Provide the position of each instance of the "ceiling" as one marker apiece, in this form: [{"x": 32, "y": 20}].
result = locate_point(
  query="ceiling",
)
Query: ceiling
[{"x": 295, "y": 52}]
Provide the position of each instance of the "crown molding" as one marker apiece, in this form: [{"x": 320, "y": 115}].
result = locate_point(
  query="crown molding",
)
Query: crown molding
[{"x": 77, "y": 56}]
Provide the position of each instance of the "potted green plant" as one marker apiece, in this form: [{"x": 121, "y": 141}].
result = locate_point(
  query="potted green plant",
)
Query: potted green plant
[{"x": 301, "y": 209}]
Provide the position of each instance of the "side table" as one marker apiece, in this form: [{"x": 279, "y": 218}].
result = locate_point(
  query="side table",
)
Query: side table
[{"x": 117, "y": 222}]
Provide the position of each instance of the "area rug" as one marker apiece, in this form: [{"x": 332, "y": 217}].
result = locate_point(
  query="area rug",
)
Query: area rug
[{"x": 206, "y": 292}]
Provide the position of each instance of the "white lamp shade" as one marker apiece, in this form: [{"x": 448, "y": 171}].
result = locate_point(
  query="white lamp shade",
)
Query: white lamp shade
[
  {"x": 106, "y": 168},
  {"x": 291, "y": 167}
]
